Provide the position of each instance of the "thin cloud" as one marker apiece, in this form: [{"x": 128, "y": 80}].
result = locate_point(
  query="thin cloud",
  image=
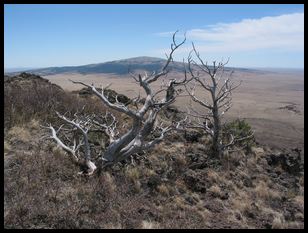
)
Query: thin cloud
[
  {"x": 164, "y": 34},
  {"x": 284, "y": 32}
]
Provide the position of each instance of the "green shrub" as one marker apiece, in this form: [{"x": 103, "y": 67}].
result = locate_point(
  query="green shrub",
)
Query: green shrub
[{"x": 239, "y": 128}]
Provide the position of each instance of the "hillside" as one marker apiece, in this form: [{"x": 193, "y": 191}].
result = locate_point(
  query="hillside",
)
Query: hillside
[
  {"x": 176, "y": 185},
  {"x": 119, "y": 67}
]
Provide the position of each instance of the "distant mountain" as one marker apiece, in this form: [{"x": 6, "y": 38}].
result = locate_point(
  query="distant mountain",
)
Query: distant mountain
[
  {"x": 118, "y": 67},
  {"x": 18, "y": 69}
]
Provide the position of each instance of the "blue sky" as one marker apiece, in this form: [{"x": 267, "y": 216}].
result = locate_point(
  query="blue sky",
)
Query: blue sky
[{"x": 63, "y": 35}]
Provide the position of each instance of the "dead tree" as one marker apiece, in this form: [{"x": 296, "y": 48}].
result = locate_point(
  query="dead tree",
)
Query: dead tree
[
  {"x": 220, "y": 100},
  {"x": 140, "y": 136},
  {"x": 79, "y": 125}
]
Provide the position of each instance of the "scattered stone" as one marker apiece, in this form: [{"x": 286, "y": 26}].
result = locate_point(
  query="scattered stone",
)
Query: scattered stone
[
  {"x": 288, "y": 216},
  {"x": 291, "y": 107},
  {"x": 238, "y": 216},
  {"x": 299, "y": 217},
  {"x": 214, "y": 206},
  {"x": 192, "y": 136},
  {"x": 247, "y": 182},
  {"x": 191, "y": 200},
  {"x": 249, "y": 214},
  {"x": 290, "y": 162},
  {"x": 194, "y": 181},
  {"x": 193, "y": 157},
  {"x": 146, "y": 211},
  {"x": 224, "y": 196},
  {"x": 273, "y": 175},
  {"x": 154, "y": 181},
  {"x": 267, "y": 225}
]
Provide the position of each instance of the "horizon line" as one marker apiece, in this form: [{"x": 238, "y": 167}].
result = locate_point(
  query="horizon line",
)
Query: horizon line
[{"x": 96, "y": 63}]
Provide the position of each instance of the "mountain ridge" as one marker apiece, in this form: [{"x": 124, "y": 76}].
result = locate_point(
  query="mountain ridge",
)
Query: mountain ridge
[{"x": 118, "y": 67}]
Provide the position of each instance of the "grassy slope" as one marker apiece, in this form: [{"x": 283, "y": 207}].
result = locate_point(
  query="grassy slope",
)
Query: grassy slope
[{"x": 164, "y": 188}]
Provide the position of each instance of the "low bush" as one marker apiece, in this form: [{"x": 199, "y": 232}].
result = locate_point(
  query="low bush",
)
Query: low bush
[{"x": 239, "y": 128}]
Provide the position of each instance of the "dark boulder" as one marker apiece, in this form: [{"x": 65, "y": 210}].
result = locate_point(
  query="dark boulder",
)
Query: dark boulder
[
  {"x": 110, "y": 94},
  {"x": 192, "y": 136},
  {"x": 214, "y": 206},
  {"x": 289, "y": 161},
  {"x": 154, "y": 181},
  {"x": 195, "y": 182},
  {"x": 191, "y": 200}
]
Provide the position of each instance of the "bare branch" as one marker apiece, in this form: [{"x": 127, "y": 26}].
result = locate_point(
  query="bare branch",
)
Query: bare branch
[
  {"x": 143, "y": 121},
  {"x": 71, "y": 151},
  {"x": 83, "y": 127},
  {"x": 197, "y": 100},
  {"x": 174, "y": 47},
  {"x": 105, "y": 100},
  {"x": 220, "y": 100}
]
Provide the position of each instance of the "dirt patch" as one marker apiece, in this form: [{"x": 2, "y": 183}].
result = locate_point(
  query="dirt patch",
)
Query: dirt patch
[{"x": 291, "y": 107}]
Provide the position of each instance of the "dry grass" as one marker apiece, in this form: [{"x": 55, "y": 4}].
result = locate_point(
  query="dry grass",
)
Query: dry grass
[
  {"x": 114, "y": 199},
  {"x": 163, "y": 189},
  {"x": 252, "y": 163},
  {"x": 205, "y": 213},
  {"x": 299, "y": 200},
  {"x": 109, "y": 182},
  {"x": 205, "y": 140},
  {"x": 263, "y": 191},
  {"x": 235, "y": 216},
  {"x": 241, "y": 204},
  {"x": 6, "y": 146},
  {"x": 34, "y": 124},
  {"x": 213, "y": 176},
  {"x": 294, "y": 225},
  {"x": 58, "y": 152},
  {"x": 236, "y": 157},
  {"x": 215, "y": 189},
  {"x": 180, "y": 160},
  {"x": 148, "y": 172},
  {"x": 179, "y": 202},
  {"x": 48, "y": 193},
  {"x": 174, "y": 150},
  {"x": 257, "y": 151},
  {"x": 291, "y": 193},
  {"x": 132, "y": 173},
  {"x": 241, "y": 200},
  {"x": 278, "y": 223},
  {"x": 149, "y": 225},
  {"x": 113, "y": 226},
  {"x": 137, "y": 186},
  {"x": 19, "y": 133},
  {"x": 299, "y": 216},
  {"x": 180, "y": 185}
]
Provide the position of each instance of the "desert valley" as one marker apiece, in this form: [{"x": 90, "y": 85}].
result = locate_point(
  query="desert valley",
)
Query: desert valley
[{"x": 271, "y": 101}]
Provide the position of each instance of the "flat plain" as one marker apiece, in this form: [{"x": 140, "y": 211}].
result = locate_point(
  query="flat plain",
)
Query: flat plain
[{"x": 271, "y": 101}]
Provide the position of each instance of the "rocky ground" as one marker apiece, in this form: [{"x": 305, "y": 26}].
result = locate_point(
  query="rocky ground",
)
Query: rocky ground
[{"x": 176, "y": 185}]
